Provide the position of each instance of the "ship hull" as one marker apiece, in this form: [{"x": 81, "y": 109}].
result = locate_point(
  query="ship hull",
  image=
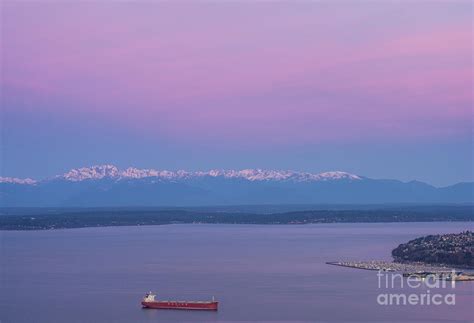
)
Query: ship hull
[{"x": 181, "y": 305}]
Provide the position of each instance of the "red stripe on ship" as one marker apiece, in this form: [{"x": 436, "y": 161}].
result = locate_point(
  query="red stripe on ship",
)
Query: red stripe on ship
[{"x": 181, "y": 305}]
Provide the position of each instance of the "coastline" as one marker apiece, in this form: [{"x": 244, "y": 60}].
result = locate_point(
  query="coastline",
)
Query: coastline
[{"x": 80, "y": 218}]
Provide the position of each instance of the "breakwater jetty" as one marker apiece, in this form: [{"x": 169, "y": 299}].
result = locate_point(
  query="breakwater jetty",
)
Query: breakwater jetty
[{"x": 391, "y": 266}]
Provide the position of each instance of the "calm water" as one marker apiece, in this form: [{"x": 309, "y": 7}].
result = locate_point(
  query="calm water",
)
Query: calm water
[{"x": 257, "y": 272}]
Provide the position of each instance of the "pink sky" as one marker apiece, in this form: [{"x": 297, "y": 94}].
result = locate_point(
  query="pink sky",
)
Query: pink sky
[{"x": 244, "y": 73}]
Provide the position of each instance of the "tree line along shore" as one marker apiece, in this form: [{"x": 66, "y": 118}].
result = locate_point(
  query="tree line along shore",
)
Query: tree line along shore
[{"x": 38, "y": 220}]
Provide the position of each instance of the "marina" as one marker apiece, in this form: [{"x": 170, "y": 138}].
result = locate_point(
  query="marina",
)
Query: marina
[
  {"x": 391, "y": 266},
  {"x": 418, "y": 270}
]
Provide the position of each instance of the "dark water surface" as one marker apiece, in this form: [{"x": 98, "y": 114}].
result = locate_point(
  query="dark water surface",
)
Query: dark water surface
[{"x": 257, "y": 272}]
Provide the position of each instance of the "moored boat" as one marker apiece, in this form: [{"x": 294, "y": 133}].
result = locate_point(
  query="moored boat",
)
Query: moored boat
[{"x": 150, "y": 302}]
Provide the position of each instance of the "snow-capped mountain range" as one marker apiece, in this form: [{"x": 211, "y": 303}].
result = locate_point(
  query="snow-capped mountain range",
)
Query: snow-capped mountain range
[
  {"x": 112, "y": 172},
  {"x": 14, "y": 180},
  {"x": 107, "y": 185}
]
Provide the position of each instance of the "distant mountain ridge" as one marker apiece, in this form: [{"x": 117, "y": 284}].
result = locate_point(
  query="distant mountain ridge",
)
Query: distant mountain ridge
[
  {"x": 107, "y": 185},
  {"x": 111, "y": 171}
]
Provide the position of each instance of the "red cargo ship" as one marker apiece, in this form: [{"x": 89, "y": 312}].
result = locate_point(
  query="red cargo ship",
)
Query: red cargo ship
[{"x": 150, "y": 302}]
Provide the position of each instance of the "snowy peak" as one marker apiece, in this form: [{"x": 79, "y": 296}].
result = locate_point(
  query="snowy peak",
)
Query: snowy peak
[
  {"x": 139, "y": 173},
  {"x": 337, "y": 175},
  {"x": 112, "y": 172},
  {"x": 94, "y": 172},
  {"x": 282, "y": 175},
  {"x": 14, "y": 180}
]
